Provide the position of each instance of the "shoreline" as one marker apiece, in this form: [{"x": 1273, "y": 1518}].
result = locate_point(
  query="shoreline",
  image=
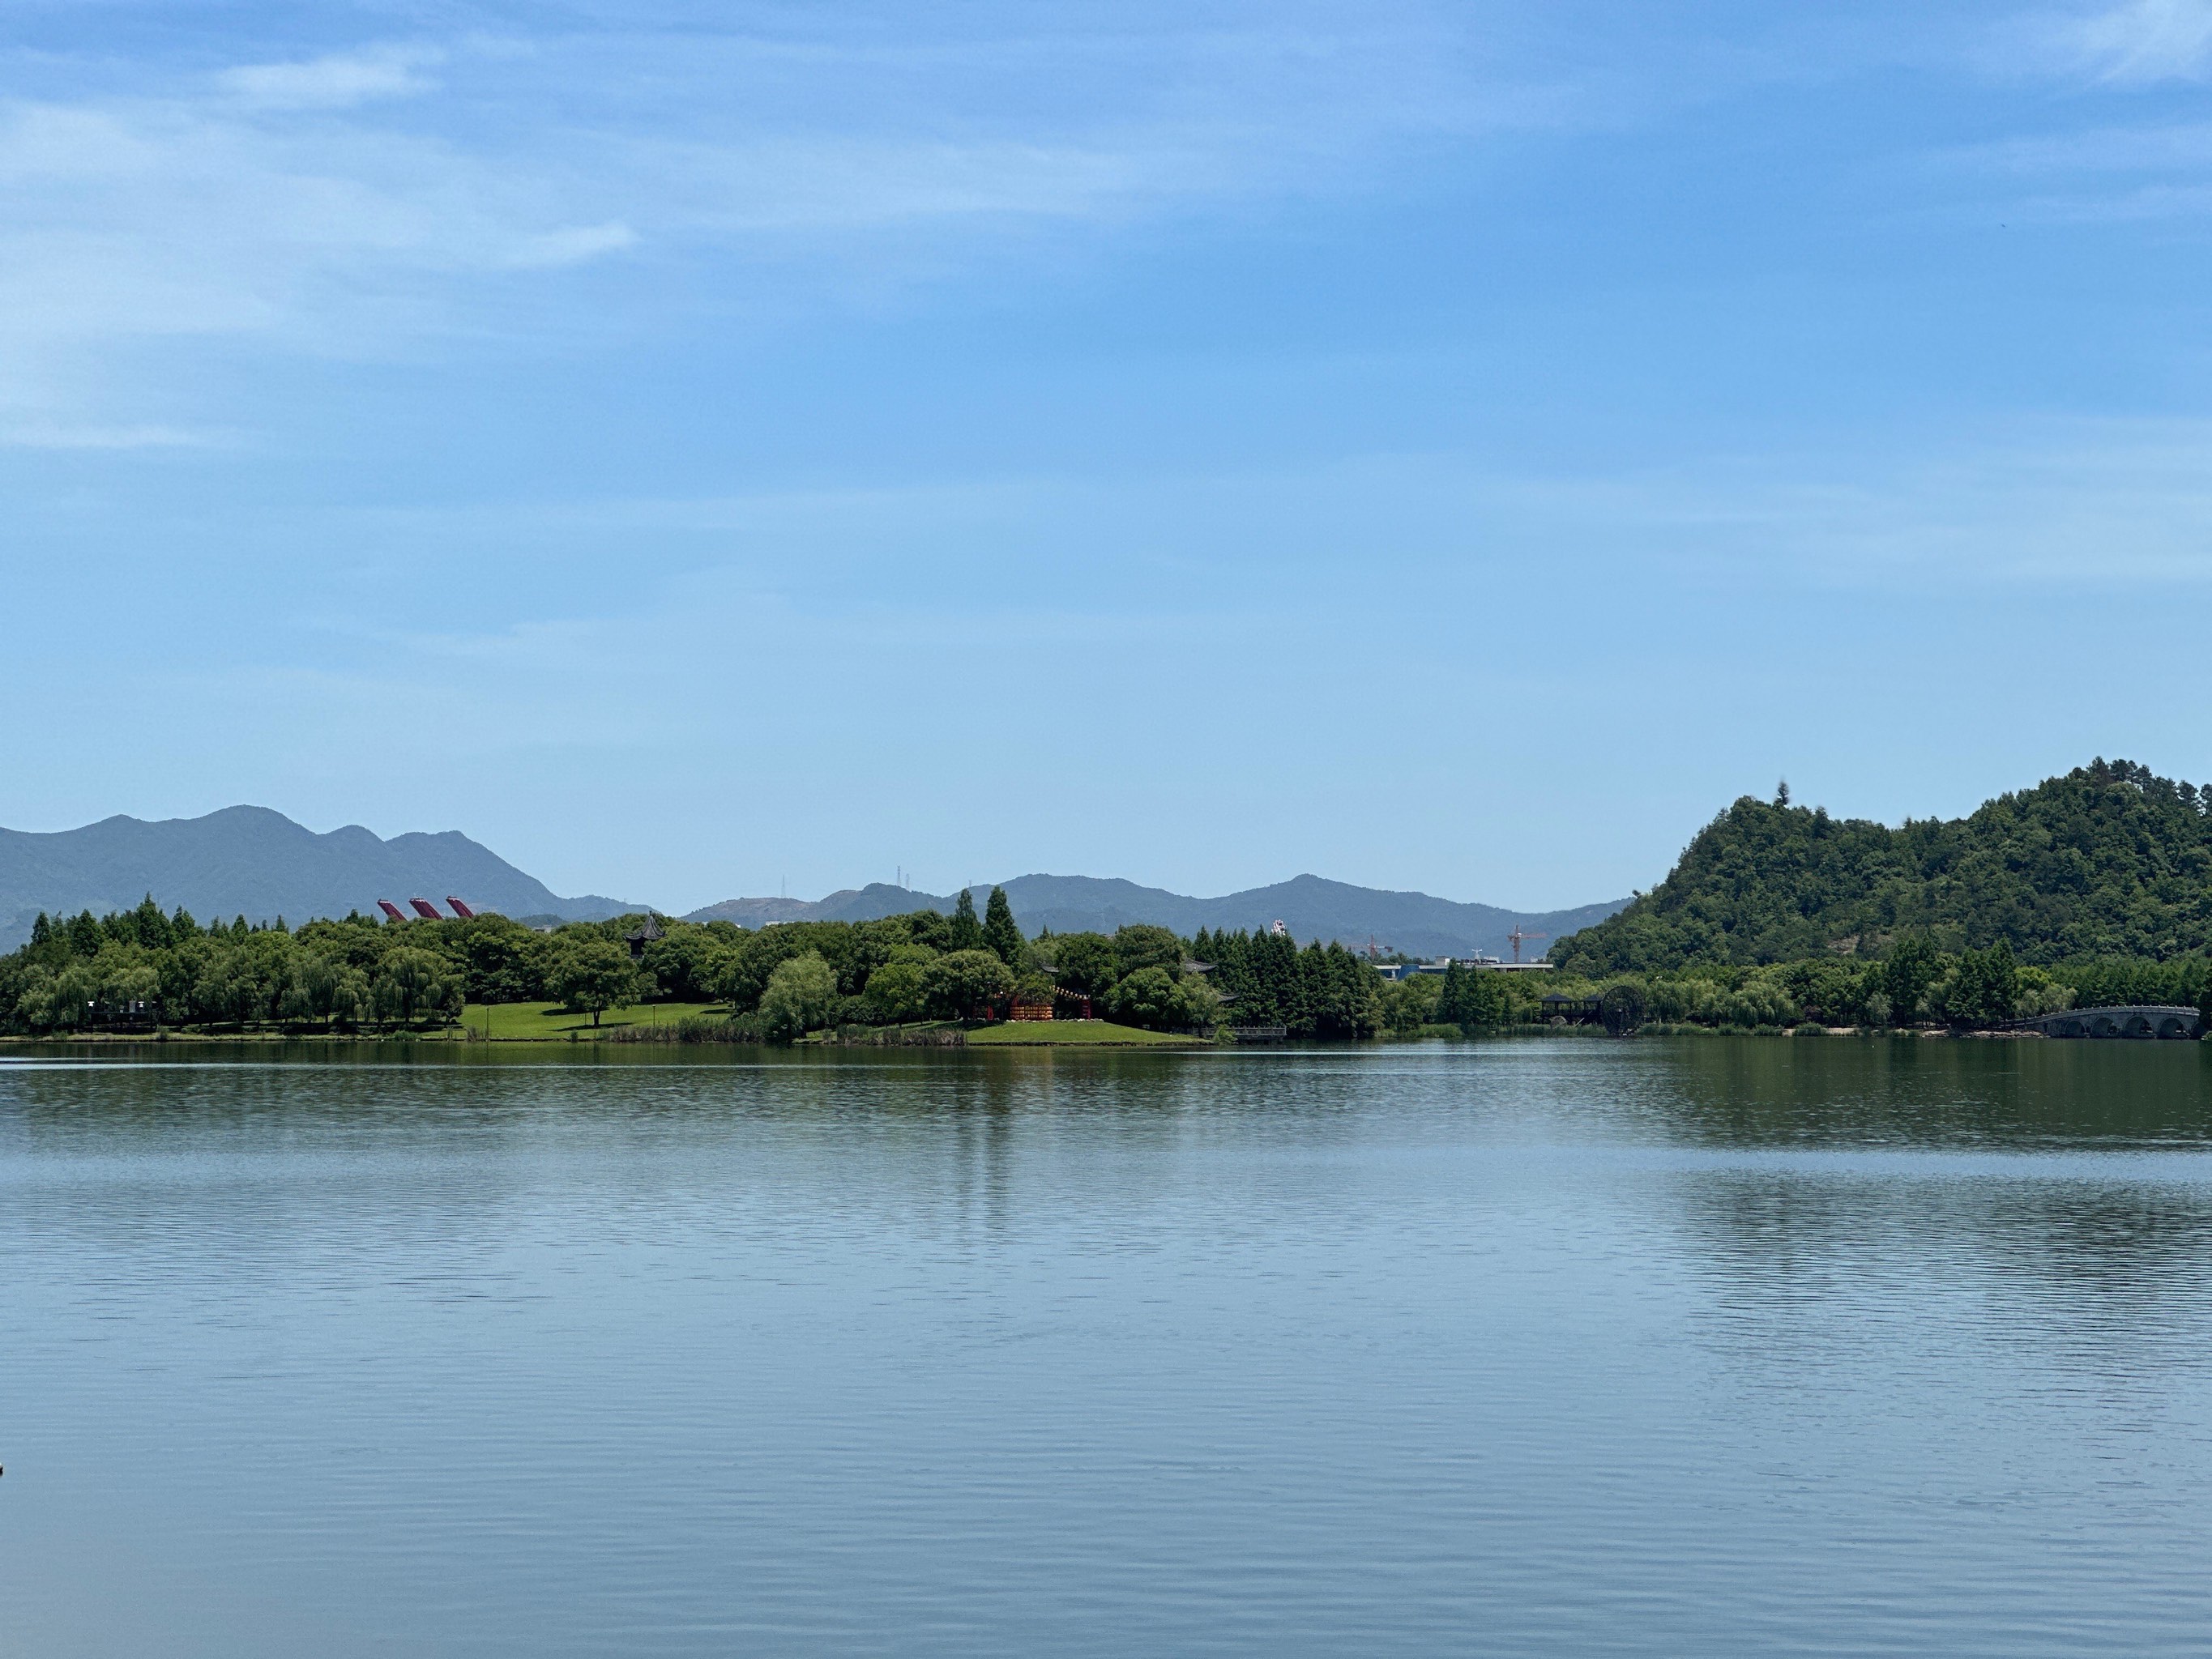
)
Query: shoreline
[{"x": 1002, "y": 1035}]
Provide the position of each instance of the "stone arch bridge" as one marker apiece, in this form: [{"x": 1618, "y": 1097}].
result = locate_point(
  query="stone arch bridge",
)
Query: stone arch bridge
[{"x": 2145, "y": 1021}]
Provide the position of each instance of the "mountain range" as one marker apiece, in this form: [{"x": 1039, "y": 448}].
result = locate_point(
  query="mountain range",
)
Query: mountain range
[
  {"x": 257, "y": 863},
  {"x": 2109, "y": 859},
  {"x": 253, "y": 862},
  {"x": 1309, "y": 907}
]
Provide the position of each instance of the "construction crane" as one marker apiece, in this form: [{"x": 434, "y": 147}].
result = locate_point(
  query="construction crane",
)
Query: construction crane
[{"x": 1515, "y": 938}]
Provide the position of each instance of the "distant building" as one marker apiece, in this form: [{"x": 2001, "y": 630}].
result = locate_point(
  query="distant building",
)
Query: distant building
[
  {"x": 638, "y": 937},
  {"x": 1395, "y": 971}
]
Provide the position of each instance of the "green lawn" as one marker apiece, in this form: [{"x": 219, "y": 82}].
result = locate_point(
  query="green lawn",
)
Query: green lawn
[
  {"x": 1066, "y": 1033},
  {"x": 519, "y": 1022}
]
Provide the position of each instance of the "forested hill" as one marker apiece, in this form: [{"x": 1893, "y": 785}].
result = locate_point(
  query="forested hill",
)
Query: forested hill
[{"x": 2109, "y": 860}]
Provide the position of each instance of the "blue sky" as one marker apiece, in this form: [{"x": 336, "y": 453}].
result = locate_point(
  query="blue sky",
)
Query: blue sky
[{"x": 693, "y": 448}]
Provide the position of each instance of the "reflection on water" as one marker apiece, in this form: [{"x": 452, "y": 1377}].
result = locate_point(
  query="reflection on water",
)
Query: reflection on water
[
  {"x": 1921, "y": 1091},
  {"x": 1543, "y": 1346}
]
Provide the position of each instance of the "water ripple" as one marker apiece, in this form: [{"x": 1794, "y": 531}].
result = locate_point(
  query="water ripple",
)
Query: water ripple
[{"x": 1540, "y": 1347}]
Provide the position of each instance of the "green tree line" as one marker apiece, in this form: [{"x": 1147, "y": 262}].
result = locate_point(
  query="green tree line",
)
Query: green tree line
[
  {"x": 143, "y": 967},
  {"x": 1914, "y": 984},
  {"x": 147, "y": 967}
]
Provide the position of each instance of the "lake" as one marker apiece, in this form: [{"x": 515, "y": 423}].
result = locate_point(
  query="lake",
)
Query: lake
[{"x": 1554, "y": 1346}]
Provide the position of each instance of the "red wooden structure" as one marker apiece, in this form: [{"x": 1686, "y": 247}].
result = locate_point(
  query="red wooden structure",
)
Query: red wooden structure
[
  {"x": 459, "y": 908},
  {"x": 425, "y": 910},
  {"x": 391, "y": 910}
]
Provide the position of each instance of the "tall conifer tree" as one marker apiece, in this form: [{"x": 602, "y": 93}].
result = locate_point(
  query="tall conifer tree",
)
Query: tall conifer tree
[
  {"x": 1451, "y": 1005},
  {"x": 967, "y": 932},
  {"x": 1001, "y": 936},
  {"x": 151, "y": 926}
]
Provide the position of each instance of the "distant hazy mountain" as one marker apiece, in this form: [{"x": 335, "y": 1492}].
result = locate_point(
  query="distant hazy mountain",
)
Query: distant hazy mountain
[
  {"x": 1308, "y": 906},
  {"x": 250, "y": 861}
]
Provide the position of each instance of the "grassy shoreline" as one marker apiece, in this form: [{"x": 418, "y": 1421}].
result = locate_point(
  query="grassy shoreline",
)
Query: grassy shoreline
[
  {"x": 550, "y": 1022},
  {"x": 523, "y": 1023},
  {"x": 1077, "y": 1034}
]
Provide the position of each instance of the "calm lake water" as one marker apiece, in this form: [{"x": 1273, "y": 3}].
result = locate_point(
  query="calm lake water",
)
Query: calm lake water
[{"x": 1556, "y": 1347}]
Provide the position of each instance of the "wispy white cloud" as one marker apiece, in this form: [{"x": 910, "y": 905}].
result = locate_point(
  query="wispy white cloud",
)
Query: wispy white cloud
[
  {"x": 2172, "y": 148},
  {"x": 48, "y": 434},
  {"x": 351, "y": 201},
  {"x": 2099, "y": 174},
  {"x": 2043, "y": 504},
  {"x": 2078, "y": 165},
  {"x": 570, "y": 246},
  {"x": 337, "y": 81},
  {"x": 1261, "y": 553},
  {"x": 2143, "y": 40}
]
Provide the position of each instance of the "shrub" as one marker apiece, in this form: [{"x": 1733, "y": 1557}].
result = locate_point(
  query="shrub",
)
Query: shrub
[
  {"x": 1146, "y": 997},
  {"x": 962, "y": 983},
  {"x": 1155, "y": 998},
  {"x": 800, "y": 996},
  {"x": 897, "y": 991},
  {"x": 1140, "y": 946},
  {"x": 1411, "y": 1003},
  {"x": 1085, "y": 963},
  {"x": 1757, "y": 1003}
]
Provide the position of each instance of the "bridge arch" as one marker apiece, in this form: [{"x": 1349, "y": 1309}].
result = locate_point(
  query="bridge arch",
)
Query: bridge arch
[{"x": 2139, "y": 1023}]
